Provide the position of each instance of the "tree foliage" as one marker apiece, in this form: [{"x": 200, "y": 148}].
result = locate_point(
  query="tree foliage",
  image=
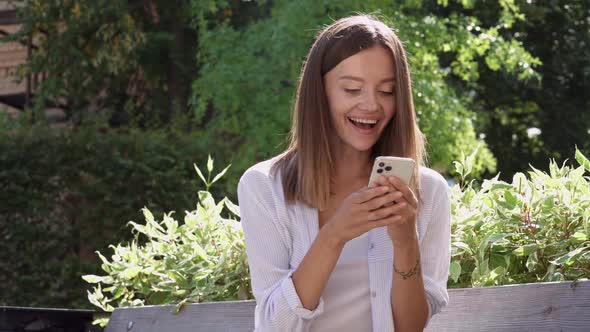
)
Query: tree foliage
[
  {"x": 131, "y": 59},
  {"x": 250, "y": 74},
  {"x": 528, "y": 122}
]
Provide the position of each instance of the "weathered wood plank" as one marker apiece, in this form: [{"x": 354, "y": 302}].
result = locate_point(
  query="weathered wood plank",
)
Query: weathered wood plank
[
  {"x": 529, "y": 307},
  {"x": 210, "y": 317}
]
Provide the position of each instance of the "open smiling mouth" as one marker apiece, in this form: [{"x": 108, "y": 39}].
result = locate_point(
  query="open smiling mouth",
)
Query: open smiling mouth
[{"x": 363, "y": 123}]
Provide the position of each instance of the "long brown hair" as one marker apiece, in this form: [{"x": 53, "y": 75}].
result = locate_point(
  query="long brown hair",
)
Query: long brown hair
[{"x": 306, "y": 165}]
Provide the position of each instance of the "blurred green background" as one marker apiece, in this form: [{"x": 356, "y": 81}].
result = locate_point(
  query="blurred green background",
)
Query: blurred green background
[{"x": 145, "y": 88}]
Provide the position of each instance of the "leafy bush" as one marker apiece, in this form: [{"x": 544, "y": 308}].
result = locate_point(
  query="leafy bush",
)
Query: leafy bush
[
  {"x": 534, "y": 229},
  {"x": 200, "y": 260}
]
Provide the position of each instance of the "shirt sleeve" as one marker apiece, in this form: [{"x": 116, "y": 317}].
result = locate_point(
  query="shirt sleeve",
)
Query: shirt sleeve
[
  {"x": 278, "y": 307},
  {"x": 436, "y": 250}
]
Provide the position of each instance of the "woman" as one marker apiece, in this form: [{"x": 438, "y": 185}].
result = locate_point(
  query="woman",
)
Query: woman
[{"x": 326, "y": 251}]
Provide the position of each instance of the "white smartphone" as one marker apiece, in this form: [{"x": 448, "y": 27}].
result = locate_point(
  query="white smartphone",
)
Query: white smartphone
[{"x": 403, "y": 168}]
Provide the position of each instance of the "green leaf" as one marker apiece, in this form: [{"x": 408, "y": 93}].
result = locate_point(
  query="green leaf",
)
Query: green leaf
[
  {"x": 455, "y": 270},
  {"x": 218, "y": 176},
  {"x": 190, "y": 219},
  {"x": 493, "y": 238},
  {"x": 497, "y": 272},
  {"x": 118, "y": 292},
  {"x": 201, "y": 252},
  {"x": 567, "y": 257},
  {"x": 579, "y": 237},
  {"x": 525, "y": 250},
  {"x": 209, "y": 164},
  {"x": 582, "y": 160},
  {"x": 102, "y": 322},
  {"x": 178, "y": 278},
  {"x": 510, "y": 199},
  {"x": 207, "y": 200},
  {"x": 532, "y": 261},
  {"x": 200, "y": 174},
  {"x": 232, "y": 207},
  {"x": 93, "y": 279},
  {"x": 130, "y": 272},
  {"x": 147, "y": 214}
]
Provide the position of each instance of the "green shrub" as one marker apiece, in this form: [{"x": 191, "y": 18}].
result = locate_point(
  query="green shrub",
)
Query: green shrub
[
  {"x": 535, "y": 229},
  {"x": 202, "y": 259},
  {"x": 68, "y": 193}
]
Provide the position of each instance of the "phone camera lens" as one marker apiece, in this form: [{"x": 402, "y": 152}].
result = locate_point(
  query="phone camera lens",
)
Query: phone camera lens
[
  {"x": 388, "y": 168},
  {"x": 381, "y": 164},
  {"x": 379, "y": 171}
]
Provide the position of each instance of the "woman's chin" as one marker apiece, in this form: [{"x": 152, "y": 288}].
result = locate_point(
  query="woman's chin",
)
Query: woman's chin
[{"x": 361, "y": 146}]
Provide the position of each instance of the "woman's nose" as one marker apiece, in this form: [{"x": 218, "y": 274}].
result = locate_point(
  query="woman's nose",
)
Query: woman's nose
[{"x": 369, "y": 101}]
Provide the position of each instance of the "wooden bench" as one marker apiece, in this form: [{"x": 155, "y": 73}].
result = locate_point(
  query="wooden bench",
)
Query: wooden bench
[{"x": 560, "y": 306}]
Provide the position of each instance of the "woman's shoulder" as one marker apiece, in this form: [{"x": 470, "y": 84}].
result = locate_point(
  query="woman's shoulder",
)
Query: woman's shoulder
[
  {"x": 432, "y": 183},
  {"x": 431, "y": 179},
  {"x": 261, "y": 171}
]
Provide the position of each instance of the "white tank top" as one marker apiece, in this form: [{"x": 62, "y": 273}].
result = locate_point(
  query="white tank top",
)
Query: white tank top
[{"x": 347, "y": 301}]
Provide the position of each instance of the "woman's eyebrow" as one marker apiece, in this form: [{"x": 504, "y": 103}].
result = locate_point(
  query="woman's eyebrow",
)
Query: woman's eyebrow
[{"x": 354, "y": 78}]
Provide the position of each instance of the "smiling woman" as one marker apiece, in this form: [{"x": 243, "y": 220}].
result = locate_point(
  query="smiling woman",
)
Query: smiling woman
[{"x": 328, "y": 250}]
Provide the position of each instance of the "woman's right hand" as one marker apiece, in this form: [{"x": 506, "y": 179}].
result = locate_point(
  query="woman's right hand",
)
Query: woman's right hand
[{"x": 362, "y": 211}]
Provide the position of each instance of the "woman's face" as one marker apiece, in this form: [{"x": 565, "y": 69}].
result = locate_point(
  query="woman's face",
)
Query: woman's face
[{"x": 360, "y": 92}]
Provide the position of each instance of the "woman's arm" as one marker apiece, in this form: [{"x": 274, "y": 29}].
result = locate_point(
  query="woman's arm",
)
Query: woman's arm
[
  {"x": 269, "y": 247},
  {"x": 420, "y": 268},
  {"x": 408, "y": 298},
  {"x": 315, "y": 269}
]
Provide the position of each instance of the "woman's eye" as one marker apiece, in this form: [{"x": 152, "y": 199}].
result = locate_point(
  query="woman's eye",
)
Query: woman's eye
[
  {"x": 352, "y": 91},
  {"x": 387, "y": 93}
]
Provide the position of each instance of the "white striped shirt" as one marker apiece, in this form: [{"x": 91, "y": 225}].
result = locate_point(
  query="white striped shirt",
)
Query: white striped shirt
[{"x": 278, "y": 235}]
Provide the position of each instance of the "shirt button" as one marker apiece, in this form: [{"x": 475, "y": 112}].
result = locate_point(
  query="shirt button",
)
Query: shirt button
[
  {"x": 374, "y": 294},
  {"x": 371, "y": 246}
]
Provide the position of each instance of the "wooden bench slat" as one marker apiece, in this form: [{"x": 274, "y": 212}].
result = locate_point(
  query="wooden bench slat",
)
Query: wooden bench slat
[
  {"x": 527, "y": 307},
  {"x": 213, "y": 317}
]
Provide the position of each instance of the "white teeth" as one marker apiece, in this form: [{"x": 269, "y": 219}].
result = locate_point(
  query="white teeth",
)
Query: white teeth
[{"x": 367, "y": 121}]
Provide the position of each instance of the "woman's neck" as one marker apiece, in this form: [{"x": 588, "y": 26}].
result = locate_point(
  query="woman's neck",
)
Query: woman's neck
[{"x": 351, "y": 165}]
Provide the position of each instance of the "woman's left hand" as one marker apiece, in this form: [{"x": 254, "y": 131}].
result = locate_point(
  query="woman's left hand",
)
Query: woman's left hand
[{"x": 403, "y": 232}]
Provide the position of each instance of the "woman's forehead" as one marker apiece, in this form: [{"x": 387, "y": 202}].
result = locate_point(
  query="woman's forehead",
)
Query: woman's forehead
[{"x": 375, "y": 64}]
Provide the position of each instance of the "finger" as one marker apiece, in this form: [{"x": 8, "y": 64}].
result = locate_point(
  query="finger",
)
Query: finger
[
  {"x": 386, "y": 211},
  {"x": 384, "y": 222},
  {"x": 380, "y": 181},
  {"x": 369, "y": 193},
  {"x": 380, "y": 201},
  {"x": 405, "y": 189}
]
